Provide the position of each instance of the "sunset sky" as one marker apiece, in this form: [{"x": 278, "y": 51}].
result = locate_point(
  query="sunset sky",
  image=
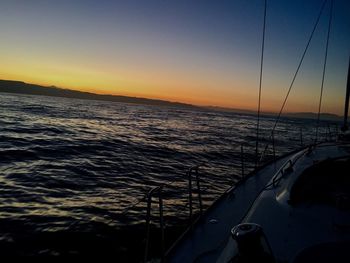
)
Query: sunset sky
[{"x": 200, "y": 52}]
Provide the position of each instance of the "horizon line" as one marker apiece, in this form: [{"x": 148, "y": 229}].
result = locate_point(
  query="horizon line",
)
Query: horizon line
[{"x": 213, "y": 107}]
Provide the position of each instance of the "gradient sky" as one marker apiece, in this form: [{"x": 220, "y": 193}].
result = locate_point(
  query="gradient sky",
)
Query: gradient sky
[{"x": 200, "y": 52}]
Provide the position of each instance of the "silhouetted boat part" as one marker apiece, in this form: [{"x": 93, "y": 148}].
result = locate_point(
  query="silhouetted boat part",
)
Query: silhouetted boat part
[
  {"x": 303, "y": 212},
  {"x": 293, "y": 209}
]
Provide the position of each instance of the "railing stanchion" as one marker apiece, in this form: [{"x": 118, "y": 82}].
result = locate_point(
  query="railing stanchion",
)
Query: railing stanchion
[
  {"x": 161, "y": 222},
  {"x": 155, "y": 190},
  {"x": 273, "y": 146},
  {"x": 242, "y": 161},
  {"x": 199, "y": 191},
  {"x": 148, "y": 225},
  {"x": 190, "y": 196},
  {"x": 301, "y": 137}
]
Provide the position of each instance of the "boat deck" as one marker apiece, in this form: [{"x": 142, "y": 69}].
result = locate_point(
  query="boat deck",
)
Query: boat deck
[
  {"x": 205, "y": 241},
  {"x": 208, "y": 238}
]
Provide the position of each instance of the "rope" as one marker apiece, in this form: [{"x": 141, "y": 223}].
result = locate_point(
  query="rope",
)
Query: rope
[
  {"x": 260, "y": 84},
  {"x": 295, "y": 75},
  {"x": 324, "y": 70}
]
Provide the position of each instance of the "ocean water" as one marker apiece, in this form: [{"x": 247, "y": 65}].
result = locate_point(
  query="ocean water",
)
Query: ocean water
[{"x": 74, "y": 173}]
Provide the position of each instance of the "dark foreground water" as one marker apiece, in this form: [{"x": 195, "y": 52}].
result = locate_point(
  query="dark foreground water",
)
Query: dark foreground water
[{"x": 74, "y": 173}]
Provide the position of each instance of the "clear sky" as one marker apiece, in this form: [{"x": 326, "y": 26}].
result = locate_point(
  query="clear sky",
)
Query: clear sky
[{"x": 200, "y": 52}]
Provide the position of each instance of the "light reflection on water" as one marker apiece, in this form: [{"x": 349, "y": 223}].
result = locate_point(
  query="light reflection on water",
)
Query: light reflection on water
[{"x": 66, "y": 161}]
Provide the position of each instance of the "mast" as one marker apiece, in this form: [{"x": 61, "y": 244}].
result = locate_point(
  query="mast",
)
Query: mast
[{"x": 346, "y": 108}]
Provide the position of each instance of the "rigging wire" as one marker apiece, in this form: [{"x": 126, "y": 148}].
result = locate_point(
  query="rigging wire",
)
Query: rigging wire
[
  {"x": 324, "y": 70},
  {"x": 260, "y": 84},
  {"x": 294, "y": 77}
]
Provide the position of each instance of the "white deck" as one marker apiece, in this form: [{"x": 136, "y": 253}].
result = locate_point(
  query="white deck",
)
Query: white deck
[
  {"x": 206, "y": 240},
  {"x": 210, "y": 240}
]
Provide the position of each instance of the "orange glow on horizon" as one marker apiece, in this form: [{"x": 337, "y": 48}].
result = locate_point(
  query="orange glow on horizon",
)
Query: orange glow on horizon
[
  {"x": 189, "y": 97},
  {"x": 239, "y": 101},
  {"x": 165, "y": 86}
]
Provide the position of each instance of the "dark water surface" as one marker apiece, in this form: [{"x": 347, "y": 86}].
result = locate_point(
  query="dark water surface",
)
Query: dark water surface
[{"x": 74, "y": 173}]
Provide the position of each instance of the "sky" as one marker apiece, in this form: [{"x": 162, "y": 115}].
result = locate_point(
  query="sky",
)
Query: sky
[{"x": 193, "y": 51}]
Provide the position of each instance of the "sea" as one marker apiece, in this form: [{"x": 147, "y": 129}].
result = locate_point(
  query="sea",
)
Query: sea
[{"x": 74, "y": 174}]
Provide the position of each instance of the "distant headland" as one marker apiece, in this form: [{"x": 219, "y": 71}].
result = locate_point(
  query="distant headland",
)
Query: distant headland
[{"x": 11, "y": 86}]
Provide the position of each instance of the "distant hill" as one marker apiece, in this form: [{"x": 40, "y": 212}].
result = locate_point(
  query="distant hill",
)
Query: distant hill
[
  {"x": 11, "y": 86},
  {"x": 312, "y": 115},
  {"x": 302, "y": 115},
  {"x": 223, "y": 109}
]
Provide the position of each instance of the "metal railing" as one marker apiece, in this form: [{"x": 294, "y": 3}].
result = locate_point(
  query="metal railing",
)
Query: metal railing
[
  {"x": 154, "y": 191},
  {"x": 191, "y": 171},
  {"x": 194, "y": 187},
  {"x": 192, "y": 175}
]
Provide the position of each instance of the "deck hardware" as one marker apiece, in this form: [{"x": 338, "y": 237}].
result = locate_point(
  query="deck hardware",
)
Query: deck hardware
[
  {"x": 281, "y": 172},
  {"x": 252, "y": 244}
]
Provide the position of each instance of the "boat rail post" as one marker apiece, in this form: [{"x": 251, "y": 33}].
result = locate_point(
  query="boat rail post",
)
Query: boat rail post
[
  {"x": 273, "y": 146},
  {"x": 336, "y": 132},
  {"x": 150, "y": 194},
  {"x": 190, "y": 194},
  {"x": 148, "y": 220},
  {"x": 263, "y": 153},
  {"x": 242, "y": 161},
  {"x": 199, "y": 191},
  {"x": 161, "y": 222},
  {"x": 329, "y": 132}
]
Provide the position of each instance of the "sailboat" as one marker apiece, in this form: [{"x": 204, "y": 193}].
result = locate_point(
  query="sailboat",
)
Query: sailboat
[{"x": 293, "y": 209}]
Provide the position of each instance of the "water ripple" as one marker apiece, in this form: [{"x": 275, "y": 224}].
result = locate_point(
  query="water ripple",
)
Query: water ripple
[{"x": 73, "y": 165}]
